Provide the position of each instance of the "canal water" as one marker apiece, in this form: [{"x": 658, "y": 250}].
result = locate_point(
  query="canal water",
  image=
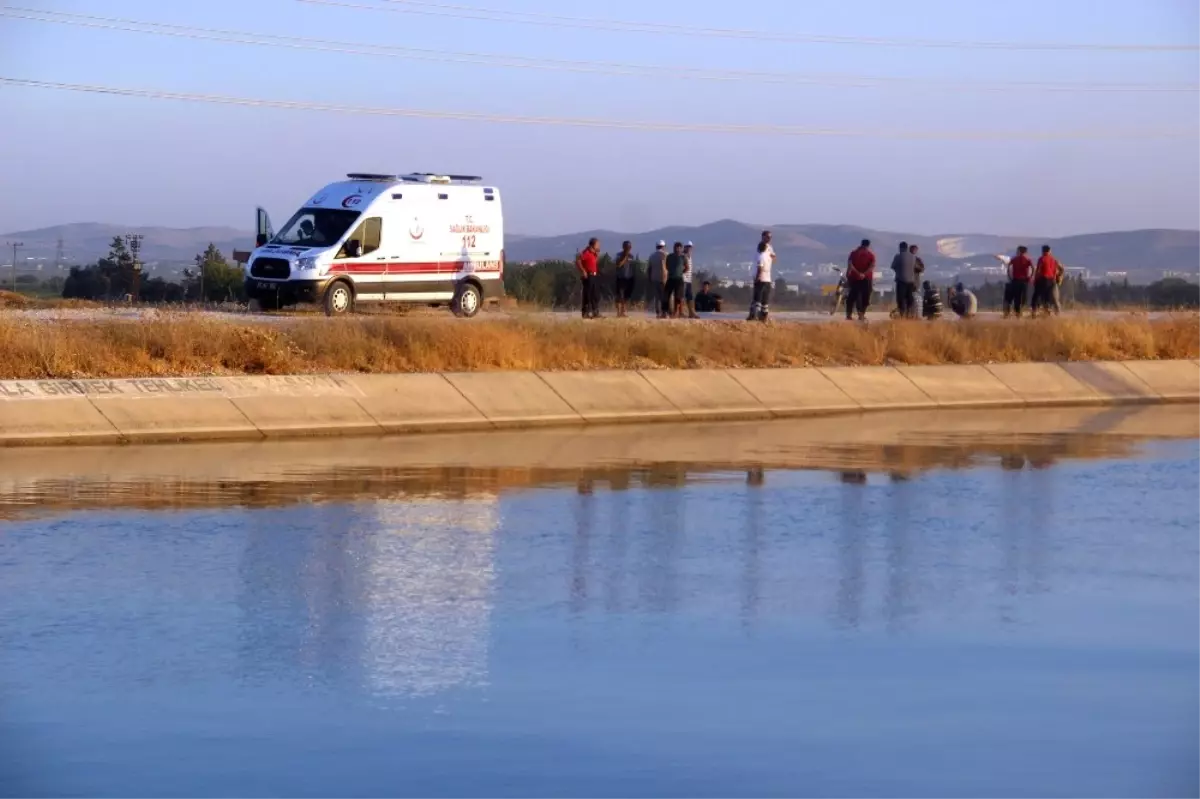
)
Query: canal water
[{"x": 1005, "y": 618}]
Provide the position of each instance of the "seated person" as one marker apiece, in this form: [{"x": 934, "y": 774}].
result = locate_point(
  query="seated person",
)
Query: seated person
[
  {"x": 931, "y": 301},
  {"x": 706, "y": 301},
  {"x": 963, "y": 302}
]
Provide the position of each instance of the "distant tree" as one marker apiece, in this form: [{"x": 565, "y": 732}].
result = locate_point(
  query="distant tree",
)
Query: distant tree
[
  {"x": 1173, "y": 292},
  {"x": 86, "y": 283},
  {"x": 213, "y": 279}
]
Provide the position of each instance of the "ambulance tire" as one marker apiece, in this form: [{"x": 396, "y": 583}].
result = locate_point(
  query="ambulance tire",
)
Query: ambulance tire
[
  {"x": 339, "y": 298},
  {"x": 467, "y": 300}
]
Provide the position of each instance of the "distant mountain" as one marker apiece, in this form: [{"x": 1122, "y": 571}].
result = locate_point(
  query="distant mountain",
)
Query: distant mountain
[
  {"x": 1143, "y": 253},
  {"x": 86, "y": 241}
]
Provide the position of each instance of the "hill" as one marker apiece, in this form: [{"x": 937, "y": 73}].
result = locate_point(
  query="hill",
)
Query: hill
[
  {"x": 86, "y": 241},
  {"x": 721, "y": 246}
]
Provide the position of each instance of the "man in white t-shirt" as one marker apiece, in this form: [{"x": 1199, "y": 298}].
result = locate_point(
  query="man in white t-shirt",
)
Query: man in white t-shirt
[
  {"x": 759, "y": 305},
  {"x": 688, "y": 274},
  {"x": 766, "y": 239}
]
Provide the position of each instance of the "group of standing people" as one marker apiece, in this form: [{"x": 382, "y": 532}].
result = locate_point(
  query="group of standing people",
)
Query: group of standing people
[
  {"x": 670, "y": 276},
  {"x": 860, "y": 279},
  {"x": 1045, "y": 277}
]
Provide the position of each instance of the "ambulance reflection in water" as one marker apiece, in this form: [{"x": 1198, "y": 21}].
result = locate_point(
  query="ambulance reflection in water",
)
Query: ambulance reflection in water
[{"x": 393, "y": 595}]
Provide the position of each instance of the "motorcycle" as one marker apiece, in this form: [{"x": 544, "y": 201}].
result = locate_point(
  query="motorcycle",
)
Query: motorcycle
[{"x": 839, "y": 292}]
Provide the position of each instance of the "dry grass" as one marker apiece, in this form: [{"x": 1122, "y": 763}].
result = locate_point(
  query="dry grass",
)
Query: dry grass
[
  {"x": 190, "y": 345},
  {"x": 22, "y": 302}
]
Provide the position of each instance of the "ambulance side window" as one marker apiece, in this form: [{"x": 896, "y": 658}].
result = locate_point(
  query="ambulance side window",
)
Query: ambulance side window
[
  {"x": 372, "y": 234},
  {"x": 368, "y": 234}
]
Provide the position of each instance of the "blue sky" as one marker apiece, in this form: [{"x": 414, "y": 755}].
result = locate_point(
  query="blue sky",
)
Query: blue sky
[{"x": 70, "y": 157}]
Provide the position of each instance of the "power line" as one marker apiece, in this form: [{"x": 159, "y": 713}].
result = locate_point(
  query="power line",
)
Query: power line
[
  {"x": 614, "y": 124},
  {"x": 425, "y": 8},
  {"x": 522, "y": 62}
]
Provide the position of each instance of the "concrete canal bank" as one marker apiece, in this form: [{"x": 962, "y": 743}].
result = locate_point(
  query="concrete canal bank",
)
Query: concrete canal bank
[{"x": 143, "y": 410}]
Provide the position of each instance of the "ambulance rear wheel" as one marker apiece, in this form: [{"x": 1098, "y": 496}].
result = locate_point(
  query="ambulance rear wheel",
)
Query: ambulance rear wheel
[
  {"x": 467, "y": 301},
  {"x": 339, "y": 299}
]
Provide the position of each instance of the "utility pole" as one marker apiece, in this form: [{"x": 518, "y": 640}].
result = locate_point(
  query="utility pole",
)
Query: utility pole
[
  {"x": 60, "y": 256},
  {"x": 15, "y": 245},
  {"x": 134, "y": 241}
]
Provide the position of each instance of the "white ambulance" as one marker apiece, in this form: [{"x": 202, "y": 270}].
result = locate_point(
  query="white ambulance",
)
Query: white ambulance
[{"x": 431, "y": 239}]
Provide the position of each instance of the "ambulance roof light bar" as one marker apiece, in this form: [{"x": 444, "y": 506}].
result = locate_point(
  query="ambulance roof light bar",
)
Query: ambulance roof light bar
[{"x": 429, "y": 177}]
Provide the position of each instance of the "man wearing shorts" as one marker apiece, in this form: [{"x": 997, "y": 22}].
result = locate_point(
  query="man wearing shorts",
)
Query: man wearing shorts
[{"x": 624, "y": 278}]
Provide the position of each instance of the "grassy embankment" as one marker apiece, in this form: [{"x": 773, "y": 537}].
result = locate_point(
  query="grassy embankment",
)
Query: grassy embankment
[{"x": 190, "y": 345}]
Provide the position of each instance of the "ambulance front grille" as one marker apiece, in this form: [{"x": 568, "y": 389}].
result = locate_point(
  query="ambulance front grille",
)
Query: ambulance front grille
[{"x": 270, "y": 269}]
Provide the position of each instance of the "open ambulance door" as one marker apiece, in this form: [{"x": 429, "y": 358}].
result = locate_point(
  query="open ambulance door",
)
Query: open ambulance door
[{"x": 263, "y": 232}]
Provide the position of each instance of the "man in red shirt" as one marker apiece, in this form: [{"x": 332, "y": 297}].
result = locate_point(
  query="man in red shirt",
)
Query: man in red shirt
[
  {"x": 1045, "y": 284},
  {"x": 1020, "y": 273},
  {"x": 588, "y": 264},
  {"x": 860, "y": 280}
]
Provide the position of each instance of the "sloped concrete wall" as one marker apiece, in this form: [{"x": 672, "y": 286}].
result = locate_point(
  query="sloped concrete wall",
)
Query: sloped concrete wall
[{"x": 34, "y": 412}]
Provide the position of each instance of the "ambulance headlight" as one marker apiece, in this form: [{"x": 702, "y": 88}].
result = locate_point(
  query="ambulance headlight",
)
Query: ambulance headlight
[{"x": 306, "y": 263}]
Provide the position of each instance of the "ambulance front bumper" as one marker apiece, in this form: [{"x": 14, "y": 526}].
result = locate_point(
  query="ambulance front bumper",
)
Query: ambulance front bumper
[{"x": 286, "y": 292}]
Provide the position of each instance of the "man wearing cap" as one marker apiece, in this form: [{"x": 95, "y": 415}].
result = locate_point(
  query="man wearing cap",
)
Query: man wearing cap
[
  {"x": 688, "y": 274},
  {"x": 656, "y": 273}
]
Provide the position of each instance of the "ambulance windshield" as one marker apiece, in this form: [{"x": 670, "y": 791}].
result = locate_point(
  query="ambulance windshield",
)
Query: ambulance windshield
[{"x": 316, "y": 227}]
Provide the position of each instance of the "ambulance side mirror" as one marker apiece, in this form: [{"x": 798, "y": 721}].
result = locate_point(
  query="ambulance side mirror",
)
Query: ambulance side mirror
[
  {"x": 261, "y": 240},
  {"x": 353, "y": 248}
]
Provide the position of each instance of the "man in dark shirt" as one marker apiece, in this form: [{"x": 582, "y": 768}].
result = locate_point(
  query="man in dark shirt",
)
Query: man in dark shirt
[
  {"x": 673, "y": 296},
  {"x": 920, "y": 269},
  {"x": 904, "y": 264},
  {"x": 624, "y": 266},
  {"x": 706, "y": 301},
  {"x": 860, "y": 280}
]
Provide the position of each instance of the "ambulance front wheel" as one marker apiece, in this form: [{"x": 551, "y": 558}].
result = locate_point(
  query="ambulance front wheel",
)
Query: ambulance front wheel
[
  {"x": 466, "y": 300},
  {"x": 339, "y": 299}
]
